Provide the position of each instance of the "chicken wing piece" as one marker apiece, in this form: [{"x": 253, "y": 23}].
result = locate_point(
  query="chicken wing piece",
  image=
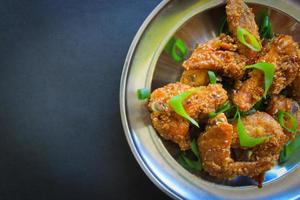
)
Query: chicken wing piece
[
  {"x": 282, "y": 52},
  {"x": 218, "y": 54},
  {"x": 240, "y": 15},
  {"x": 172, "y": 126},
  {"x": 214, "y": 147},
  {"x": 258, "y": 125},
  {"x": 280, "y": 102}
]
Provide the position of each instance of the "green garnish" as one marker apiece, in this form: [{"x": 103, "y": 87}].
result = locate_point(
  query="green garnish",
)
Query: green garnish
[
  {"x": 242, "y": 33},
  {"x": 212, "y": 77},
  {"x": 177, "y": 49},
  {"x": 269, "y": 71},
  {"x": 245, "y": 139},
  {"x": 176, "y": 103},
  {"x": 281, "y": 118},
  {"x": 224, "y": 27},
  {"x": 189, "y": 164},
  {"x": 143, "y": 93},
  {"x": 249, "y": 112},
  {"x": 265, "y": 29},
  {"x": 225, "y": 107},
  {"x": 289, "y": 149}
]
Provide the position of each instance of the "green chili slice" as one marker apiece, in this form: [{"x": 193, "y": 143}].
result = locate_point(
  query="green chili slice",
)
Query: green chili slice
[
  {"x": 177, "y": 49},
  {"x": 268, "y": 70},
  {"x": 194, "y": 148},
  {"x": 242, "y": 34},
  {"x": 212, "y": 77},
  {"x": 289, "y": 149},
  {"x": 225, "y": 107},
  {"x": 245, "y": 139},
  {"x": 176, "y": 103},
  {"x": 143, "y": 93},
  {"x": 281, "y": 118}
]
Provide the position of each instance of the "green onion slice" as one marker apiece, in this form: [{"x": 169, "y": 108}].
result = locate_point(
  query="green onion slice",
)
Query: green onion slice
[
  {"x": 254, "y": 45},
  {"x": 176, "y": 103},
  {"x": 188, "y": 163},
  {"x": 194, "y": 148},
  {"x": 265, "y": 29},
  {"x": 212, "y": 77},
  {"x": 282, "y": 116},
  {"x": 245, "y": 139},
  {"x": 224, "y": 27},
  {"x": 289, "y": 149},
  {"x": 225, "y": 107},
  {"x": 177, "y": 49},
  {"x": 268, "y": 70},
  {"x": 143, "y": 93}
]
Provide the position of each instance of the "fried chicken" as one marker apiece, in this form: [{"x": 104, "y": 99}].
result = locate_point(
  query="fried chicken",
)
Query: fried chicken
[
  {"x": 282, "y": 53},
  {"x": 240, "y": 15},
  {"x": 214, "y": 147},
  {"x": 172, "y": 126},
  {"x": 219, "y": 55},
  {"x": 280, "y": 102}
]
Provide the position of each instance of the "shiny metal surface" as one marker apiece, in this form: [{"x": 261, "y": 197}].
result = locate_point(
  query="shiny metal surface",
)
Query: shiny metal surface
[{"x": 146, "y": 66}]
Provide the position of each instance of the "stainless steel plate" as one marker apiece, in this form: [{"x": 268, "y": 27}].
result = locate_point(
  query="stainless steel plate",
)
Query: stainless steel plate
[{"x": 146, "y": 66}]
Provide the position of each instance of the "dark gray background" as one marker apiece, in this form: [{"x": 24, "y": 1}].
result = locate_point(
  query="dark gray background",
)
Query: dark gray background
[{"x": 60, "y": 130}]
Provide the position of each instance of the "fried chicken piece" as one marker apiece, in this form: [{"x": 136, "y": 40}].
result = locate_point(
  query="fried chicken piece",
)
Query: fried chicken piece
[
  {"x": 172, "y": 126},
  {"x": 295, "y": 87},
  {"x": 280, "y": 102},
  {"x": 240, "y": 15},
  {"x": 282, "y": 52},
  {"x": 258, "y": 125},
  {"x": 214, "y": 147},
  {"x": 249, "y": 92},
  {"x": 219, "y": 55}
]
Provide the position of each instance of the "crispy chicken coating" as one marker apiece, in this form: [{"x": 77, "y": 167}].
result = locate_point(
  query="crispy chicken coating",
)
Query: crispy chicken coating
[
  {"x": 282, "y": 52},
  {"x": 172, "y": 126},
  {"x": 295, "y": 87},
  {"x": 240, "y": 15},
  {"x": 218, "y": 54},
  {"x": 280, "y": 102},
  {"x": 249, "y": 92},
  {"x": 258, "y": 125},
  {"x": 214, "y": 147}
]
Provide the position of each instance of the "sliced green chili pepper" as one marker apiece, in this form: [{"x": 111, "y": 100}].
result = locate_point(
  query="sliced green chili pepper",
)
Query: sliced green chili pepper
[
  {"x": 176, "y": 103},
  {"x": 289, "y": 149},
  {"x": 245, "y": 139},
  {"x": 254, "y": 45},
  {"x": 268, "y": 70},
  {"x": 194, "y": 148},
  {"x": 143, "y": 93},
  {"x": 212, "y": 77},
  {"x": 281, "y": 118}
]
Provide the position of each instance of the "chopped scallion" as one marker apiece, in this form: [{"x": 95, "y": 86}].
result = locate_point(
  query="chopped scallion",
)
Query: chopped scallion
[
  {"x": 292, "y": 119},
  {"x": 254, "y": 45},
  {"x": 265, "y": 29},
  {"x": 177, "y": 49},
  {"x": 289, "y": 149},
  {"x": 189, "y": 164},
  {"x": 212, "y": 77},
  {"x": 245, "y": 139},
  {"x": 176, "y": 103},
  {"x": 143, "y": 93},
  {"x": 225, "y": 107},
  {"x": 268, "y": 70}
]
